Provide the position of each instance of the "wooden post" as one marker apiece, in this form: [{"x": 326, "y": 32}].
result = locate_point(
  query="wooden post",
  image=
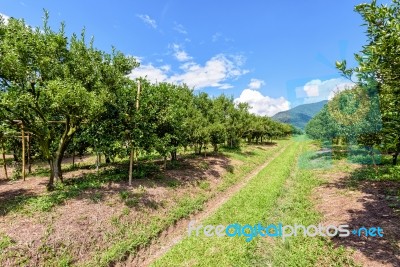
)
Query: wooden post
[
  {"x": 4, "y": 159},
  {"x": 133, "y": 148},
  {"x": 23, "y": 150},
  {"x": 97, "y": 162},
  {"x": 29, "y": 153},
  {"x": 131, "y": 165}
]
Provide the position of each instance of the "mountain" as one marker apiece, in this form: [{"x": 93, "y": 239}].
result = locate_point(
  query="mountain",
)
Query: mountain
[{"x": 300, "y": 115}]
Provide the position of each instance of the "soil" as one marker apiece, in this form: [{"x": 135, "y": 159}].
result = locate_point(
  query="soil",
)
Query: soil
[
  {"x": 85, "y": 225},
  {"x": 367, "y": 204}
]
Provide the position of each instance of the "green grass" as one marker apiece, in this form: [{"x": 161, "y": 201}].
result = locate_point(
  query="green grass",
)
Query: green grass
[
  {"x": 5, "y": 242},
  {"x": 279, "y": 193},
  {"x": 315, "y": 160},
  {"x": 132, "y": 236},
  {"x": 249, "y": 206},
  {"x": 296, "y": 207},
  {"x": 250, "y": 159},
  {"x": 380, "y": 173},
  {"x": 205, "y": 185}
]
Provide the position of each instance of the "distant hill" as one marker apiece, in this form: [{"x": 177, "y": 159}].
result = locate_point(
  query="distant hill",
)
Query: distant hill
[{"x": 300, "y": 115}]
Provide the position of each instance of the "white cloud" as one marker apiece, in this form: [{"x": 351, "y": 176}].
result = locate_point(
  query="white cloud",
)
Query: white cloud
[
  {"x": 262, "y": 105},
  {"x": 318, "y": 90},
  {"x": 216, "y": 70},
  {"x": 149, "y": 21},
  {"x": 179, "y": 28},
  {"x": 256, "y": 83},
  {"x": 180, "y": 54},
  {"x": 225, "y": 86},
  {"x": 5, "y": 17},
  {"x": 151, "y": 73},
  {"x": 312, "y": 88},
  {"x": 214, "y": 73},
  {"x": 165, "y": 68}
]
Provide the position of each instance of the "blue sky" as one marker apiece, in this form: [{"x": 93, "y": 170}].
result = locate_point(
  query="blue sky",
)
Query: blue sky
[{"x": 271, "y": 54}]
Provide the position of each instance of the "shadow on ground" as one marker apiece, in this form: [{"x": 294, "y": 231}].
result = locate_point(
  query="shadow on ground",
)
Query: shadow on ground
[
  {"x": 112, "y": 179},
  {"x": 377, "y": 205}
]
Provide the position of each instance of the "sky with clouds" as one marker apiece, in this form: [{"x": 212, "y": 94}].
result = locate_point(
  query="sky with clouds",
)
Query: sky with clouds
[{"x": 273, "y": 55}]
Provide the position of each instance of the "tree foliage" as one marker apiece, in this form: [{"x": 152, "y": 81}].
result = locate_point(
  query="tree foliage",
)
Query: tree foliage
[
  {"x": 376, "y": 123},
  {"x": 72, "y": 96}
]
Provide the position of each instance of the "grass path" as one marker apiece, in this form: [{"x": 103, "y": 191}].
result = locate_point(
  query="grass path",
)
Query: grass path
[
  {"x": 297, "y": 205},
  {"x": 279, "y": 193},
  {"x": 249, "y": 206},
  {"x": 140, "y": 234},
  {"x": 177, "y": 232}
]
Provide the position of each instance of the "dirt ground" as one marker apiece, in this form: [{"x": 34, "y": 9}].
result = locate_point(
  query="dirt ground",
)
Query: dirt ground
[
  {"x": 84, "y": 225},
  {"x": 368, "y": 204}
]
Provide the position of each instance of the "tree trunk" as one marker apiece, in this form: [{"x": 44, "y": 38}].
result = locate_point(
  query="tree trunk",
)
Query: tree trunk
[
  {"x": 29, "y": 154},
  {"x": 131, "y": 157},
  {"x": 165, "y": 162},
  {"x": 73, "y": 159},
  {"x": 215, "y": 148},
  {"x": 57, "y": 168},
  {"x": 97, "y": 162},
  {"x": 395, "y": 155},
  {"x": 15, "y": 156},
  {"x": 50, "y": 185},
  {"x": 56, "y": 160},
  {"x": 4, "y": 160},
  {"x": 23, "y": 151},
  {"x": 173, "y": 155},
  {"x": 373, "y": 160}
]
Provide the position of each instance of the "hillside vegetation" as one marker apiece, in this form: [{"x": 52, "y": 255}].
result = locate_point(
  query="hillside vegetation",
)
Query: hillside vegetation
[{"x": 299, "y": 116}]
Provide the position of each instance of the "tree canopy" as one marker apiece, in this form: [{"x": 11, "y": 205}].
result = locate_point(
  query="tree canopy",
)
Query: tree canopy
[
  {"x": 375, "y": 120},
  {"x": 72, "y": 96}
]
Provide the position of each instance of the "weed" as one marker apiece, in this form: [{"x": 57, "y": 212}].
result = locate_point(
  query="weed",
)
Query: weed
[
  {"x": 5, "y": 242},
  {"x": 230, "y": 168},
  {"x": 96, "y": 197},
  {"x": 205, "y": 185},
  {"x": 41, "y": 171},
  {"x": 17, "y": 172},
  {"x": 204, "y": 165},
  {"x": 125, "y": 211},
  {"x": 132, "y": 202},
  {"x": 173, "y": 183},
  {"x": 124, "y": 195}
]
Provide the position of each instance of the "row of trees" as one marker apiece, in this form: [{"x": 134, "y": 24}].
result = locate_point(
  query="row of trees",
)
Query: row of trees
[
  {"x": 374, "y": 119},
  {"x": 71, "y": 96}
]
